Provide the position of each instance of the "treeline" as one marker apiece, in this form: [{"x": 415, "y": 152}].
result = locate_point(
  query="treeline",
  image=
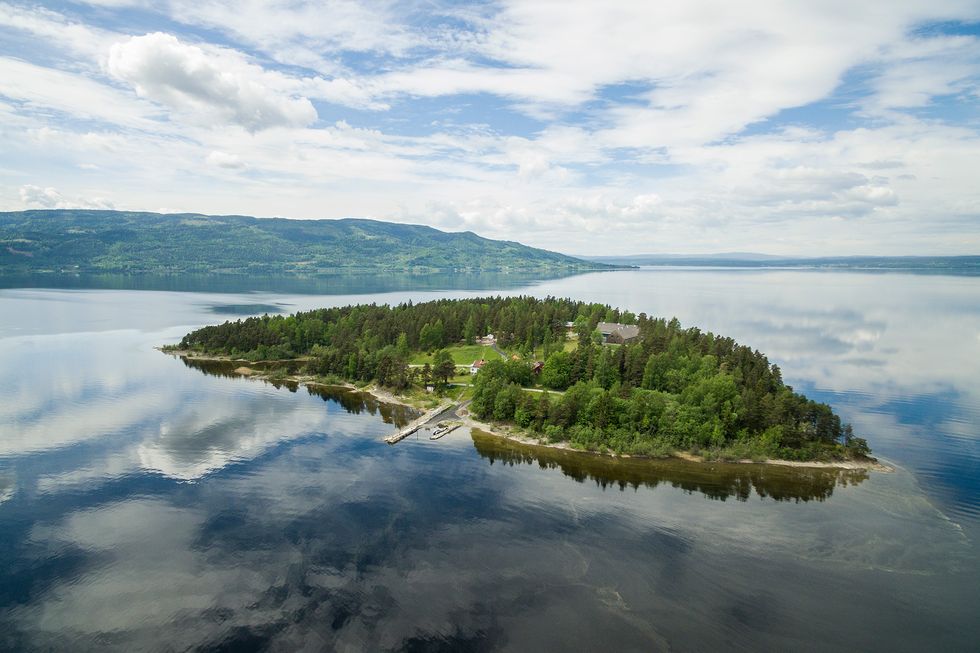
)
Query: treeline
[
  {"x": 671, "y": 388},
  {"x": 370, "y": 331}
]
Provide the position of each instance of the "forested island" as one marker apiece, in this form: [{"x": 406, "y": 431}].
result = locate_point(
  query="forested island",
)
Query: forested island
[
  {"x": 586, "y": 374},
  {"x": 121, "y": 242}
]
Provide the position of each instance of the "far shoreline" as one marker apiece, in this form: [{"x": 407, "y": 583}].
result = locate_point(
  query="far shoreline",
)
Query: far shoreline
[{"x": 505, "y": 432}]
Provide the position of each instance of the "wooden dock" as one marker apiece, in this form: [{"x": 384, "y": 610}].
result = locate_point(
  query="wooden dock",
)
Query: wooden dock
[{"x": 416, "y": 424}]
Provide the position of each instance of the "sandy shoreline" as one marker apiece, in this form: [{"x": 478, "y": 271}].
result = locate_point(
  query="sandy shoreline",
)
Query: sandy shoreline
[
  {"x": 507, "y": 434},
  {"x": 184, "y": 353}
]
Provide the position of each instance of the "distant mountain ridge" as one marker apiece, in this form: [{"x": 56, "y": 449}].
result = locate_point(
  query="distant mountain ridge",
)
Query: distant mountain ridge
[
  {"x": 85, "y": 241},
  {"x": 964, "y": 265},
  {"x": 723, "y": 256}
]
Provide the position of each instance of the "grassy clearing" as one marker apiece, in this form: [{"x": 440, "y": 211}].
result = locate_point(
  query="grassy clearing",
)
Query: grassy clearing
[
  {"x": 462, "y": 355},
  {"x": 568, "y": 345}
]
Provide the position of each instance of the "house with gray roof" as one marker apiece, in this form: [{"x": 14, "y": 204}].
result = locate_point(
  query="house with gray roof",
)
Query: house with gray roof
[{"x": 614, "y": 333}]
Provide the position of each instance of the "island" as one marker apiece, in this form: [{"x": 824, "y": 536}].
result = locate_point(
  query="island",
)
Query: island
[
  {"x": 59, "y": 242},
  {"x": 552, "y": 371}
]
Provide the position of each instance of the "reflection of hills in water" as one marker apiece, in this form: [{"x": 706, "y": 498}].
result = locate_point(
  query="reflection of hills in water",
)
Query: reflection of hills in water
[
  {"x": 245, "y": 309},
  {"x": 714, "y": 480},
  {"x": 350, "y": 400},
  {"x": 326, "y": 284}
]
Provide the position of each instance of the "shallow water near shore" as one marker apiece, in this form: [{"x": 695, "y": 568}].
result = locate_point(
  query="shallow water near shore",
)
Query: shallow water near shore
[{"x": 145, "y": 504}]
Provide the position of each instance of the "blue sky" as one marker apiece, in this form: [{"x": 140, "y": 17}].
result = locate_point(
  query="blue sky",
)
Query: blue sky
[{"x": 589, "y": 128}]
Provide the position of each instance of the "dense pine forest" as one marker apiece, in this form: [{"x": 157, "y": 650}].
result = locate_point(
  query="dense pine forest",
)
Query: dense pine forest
[{"x": 671, "y": 388}]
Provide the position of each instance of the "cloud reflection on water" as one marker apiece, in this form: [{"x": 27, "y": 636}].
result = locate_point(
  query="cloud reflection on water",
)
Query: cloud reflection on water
[
  {"x": 385, "y": 548},
  {"x": 291, "y": 537}
]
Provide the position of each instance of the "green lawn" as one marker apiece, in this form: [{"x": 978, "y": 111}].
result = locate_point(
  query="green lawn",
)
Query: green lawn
[
  {"x": 568, "y": 345},
  {"x": 466, "y": 354},
  {"x": 462, "y": 355}
]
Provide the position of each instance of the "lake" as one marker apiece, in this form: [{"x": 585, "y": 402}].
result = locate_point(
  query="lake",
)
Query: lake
[{"x": 149, "y": 505}]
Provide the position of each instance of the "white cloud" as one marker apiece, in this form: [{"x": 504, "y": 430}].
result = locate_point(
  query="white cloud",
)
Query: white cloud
[
  {"x": 216, "y": 86},
  {"x": 917, "y": 70},
  {"x": 303, "y": 29},
  {"x": 110, "y": 143},
  {"x": 638, "y": 139},
  {"x": 115, "y": 3},
  {"x": 343, "y": 91},
  {"x": 579, "y": 215},
  {"x": 872, "y": 195},
  {"x": 225, "y": 160},
  {"x": 701, "y": 71},
  {"x": 76, "y": 96},
  {"x": 36, "y": 197},
  {"x": 52, "y": 28}
]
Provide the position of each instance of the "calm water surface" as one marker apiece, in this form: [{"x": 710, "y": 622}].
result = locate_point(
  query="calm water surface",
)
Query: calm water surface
[{"x": 145, "y": 505}]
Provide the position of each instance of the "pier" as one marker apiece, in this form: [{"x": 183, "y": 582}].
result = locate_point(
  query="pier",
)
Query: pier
[{"x": 418, "y": 423}]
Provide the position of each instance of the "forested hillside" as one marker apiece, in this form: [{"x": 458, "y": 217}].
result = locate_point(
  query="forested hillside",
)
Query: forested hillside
[
  {"x": 672, "y": 388},
  {"x": 125, "y": 242}
]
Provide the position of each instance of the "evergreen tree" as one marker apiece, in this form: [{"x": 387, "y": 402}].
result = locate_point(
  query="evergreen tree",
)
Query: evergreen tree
[{"x": 444, "y": 368}]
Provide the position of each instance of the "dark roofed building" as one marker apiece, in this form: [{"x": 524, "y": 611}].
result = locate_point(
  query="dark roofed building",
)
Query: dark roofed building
[{"x": 614, "y": 333}]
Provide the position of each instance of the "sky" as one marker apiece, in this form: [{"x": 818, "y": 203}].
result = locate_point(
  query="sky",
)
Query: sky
[{"x": 593, "y": 128}]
